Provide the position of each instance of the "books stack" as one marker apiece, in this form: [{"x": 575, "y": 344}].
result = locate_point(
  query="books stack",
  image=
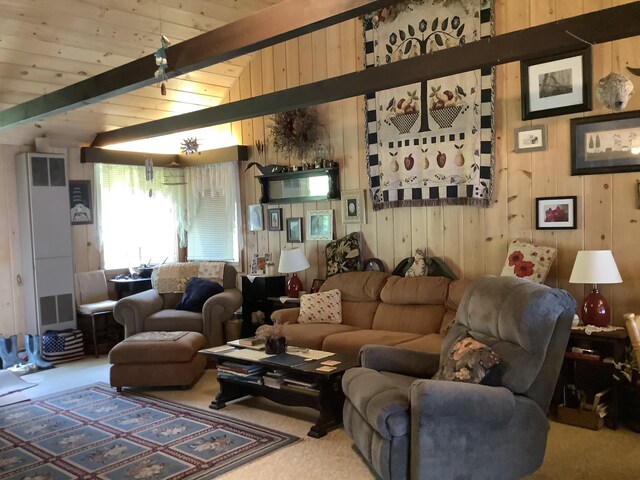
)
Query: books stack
[
  {"x": 274, "y": 379},
  {"x": 251, "y": 342},
  {"x": 241, "y": 372}
]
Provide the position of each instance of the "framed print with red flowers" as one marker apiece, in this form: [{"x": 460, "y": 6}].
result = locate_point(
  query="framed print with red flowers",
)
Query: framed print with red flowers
[{"x": 556, "y": 213}]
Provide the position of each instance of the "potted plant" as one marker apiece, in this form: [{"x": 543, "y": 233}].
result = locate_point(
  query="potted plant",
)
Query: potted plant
[{"x": 274, "y": 339}]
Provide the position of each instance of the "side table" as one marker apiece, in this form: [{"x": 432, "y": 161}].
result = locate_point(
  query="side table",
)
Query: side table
[
  {"x": 256, "y": 291},
  {"x": 129, "y": 286},
  {"x": 587, "y": 365}
]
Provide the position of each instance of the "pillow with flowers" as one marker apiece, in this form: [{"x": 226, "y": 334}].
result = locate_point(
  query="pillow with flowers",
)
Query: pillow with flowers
[
  {"x": 468, "y": 361},
  {"x": 525, "y": 260}
]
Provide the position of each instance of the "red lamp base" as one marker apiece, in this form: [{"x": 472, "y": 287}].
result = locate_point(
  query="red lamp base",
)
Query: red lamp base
[
  {"x": 595, "y": 310},
  {"x": 294, "y": 286}
]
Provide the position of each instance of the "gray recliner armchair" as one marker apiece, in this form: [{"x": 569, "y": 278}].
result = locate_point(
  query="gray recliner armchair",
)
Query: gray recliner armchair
[
  {"x": 150, "y": 311},
  {"x": 407, "y": 425}
]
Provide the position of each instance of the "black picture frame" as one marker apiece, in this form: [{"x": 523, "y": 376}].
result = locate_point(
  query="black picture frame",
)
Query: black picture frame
[
  {"x": 556, "y": 213},
  {"x": 294, "y": 230},
  {"x": 274, "y": 216},
  {"x": 556, "y": 85},
  {"x": 81, "y": 209},
  {"x": 605, "y": 143}
]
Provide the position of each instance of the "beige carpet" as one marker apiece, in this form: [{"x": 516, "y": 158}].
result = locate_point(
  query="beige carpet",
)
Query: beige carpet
[{"x": 572, "y": 453}]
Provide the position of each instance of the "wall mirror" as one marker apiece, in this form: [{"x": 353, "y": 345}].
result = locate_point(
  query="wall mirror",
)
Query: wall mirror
[{"x": 302, "y": 186}]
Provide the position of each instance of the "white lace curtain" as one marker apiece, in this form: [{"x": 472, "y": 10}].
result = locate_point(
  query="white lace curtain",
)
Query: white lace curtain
[{"x": 215, "y": 179}]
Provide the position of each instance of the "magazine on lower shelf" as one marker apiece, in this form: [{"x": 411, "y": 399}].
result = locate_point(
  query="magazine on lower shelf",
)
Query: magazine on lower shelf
[{"x": 253, "y": 379}]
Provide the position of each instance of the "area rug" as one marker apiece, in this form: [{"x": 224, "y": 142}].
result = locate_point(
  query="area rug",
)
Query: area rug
[{"x": 95, "y": 432}]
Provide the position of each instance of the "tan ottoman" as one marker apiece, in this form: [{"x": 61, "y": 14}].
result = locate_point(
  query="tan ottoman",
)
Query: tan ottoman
[{"x": 153, "y": 359}]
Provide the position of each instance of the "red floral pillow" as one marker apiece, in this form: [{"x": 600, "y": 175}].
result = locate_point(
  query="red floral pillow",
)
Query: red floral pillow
[
  {"x": 529, "y": 261},
  {"x": 323, "y": 307}
]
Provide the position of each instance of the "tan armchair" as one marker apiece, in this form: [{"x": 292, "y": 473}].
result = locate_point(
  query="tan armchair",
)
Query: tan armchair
[{"x": 152, "y": 311}]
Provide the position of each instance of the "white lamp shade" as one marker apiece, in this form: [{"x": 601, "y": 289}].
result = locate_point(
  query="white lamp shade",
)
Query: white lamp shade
[
  {"x": 292, "y": 261},
  {"x": 595, "y": 266}
]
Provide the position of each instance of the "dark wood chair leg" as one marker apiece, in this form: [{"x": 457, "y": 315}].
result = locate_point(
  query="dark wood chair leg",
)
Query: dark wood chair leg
[{"x": 94, "y": 333}]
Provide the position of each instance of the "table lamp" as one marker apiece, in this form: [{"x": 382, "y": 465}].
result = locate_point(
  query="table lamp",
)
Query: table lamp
[
  {"x": 292, "y": 261},
  {"x": 595, "y": 266}
]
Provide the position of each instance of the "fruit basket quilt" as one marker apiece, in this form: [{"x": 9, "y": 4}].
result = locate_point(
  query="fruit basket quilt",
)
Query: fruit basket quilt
[{"x": 430, "y": 143}]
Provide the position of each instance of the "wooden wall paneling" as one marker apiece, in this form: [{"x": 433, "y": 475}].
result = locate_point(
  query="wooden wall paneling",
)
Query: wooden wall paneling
[
  {"x": 568, "y": 241},
  {"x": 626, "y": 221},
  {"x": 279, "y": 83},
  {"x": 519, "y": 206},
  {"x": 435, "y": 232},
  {"x": 453, "y": 252},
  {"x": 472, "y": 236},
  {"x": 305, "y": 58},
  {"x": 7, "y": 279},
  {"x": 494, "y": 243},
  {"x": 598, "y": 195},
  {"x": 543, "y": 171},
  {"x": 334, "y": 109},
  {"x": 349, "y": 177},
  {"x": 369, "y": 230},
  {"x": 241, "y": 91}
]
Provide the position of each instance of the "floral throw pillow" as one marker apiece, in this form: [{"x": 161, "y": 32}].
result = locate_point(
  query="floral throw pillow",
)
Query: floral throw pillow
[
  {"x": 529, "y": 261},
  {"x": 343, "y": 255},
  {"x": 419, "y": 267},
  {"x": 468, "y": 361},
  {"x": 323, "y": 307}
]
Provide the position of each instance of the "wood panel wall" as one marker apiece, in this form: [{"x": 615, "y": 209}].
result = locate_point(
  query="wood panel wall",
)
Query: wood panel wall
[{"x": 473, "y": 241}]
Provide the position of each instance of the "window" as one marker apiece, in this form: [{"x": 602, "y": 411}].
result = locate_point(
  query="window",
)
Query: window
[
  {"x": 140, "y": 220},
  {"x": 214, "y": 218}
]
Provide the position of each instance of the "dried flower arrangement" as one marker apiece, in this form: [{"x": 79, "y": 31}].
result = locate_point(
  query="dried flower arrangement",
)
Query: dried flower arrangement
[
  {"x": 294, "y": 132},
  {"x": 270, "y": 332}
]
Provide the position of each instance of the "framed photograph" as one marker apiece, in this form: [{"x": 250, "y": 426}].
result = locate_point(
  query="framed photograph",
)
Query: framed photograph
[
  {"x": 275, "y": 219},
  {"x": 556, "y": 213},
  {"x": 531, "y": 139},
  {"x": 259, "y": 263},
  {"x": 294, "y": 230},
  {"x": 80, "y": 202},
  {"x": 556, "y": 85},
  {"x": 320, "y": 225},
  {"x": 255, "y": 218},
  {"x": 353, "y": 207},
  {"x": 315, "y": 286},
  {"x": 605, "y": 143}
]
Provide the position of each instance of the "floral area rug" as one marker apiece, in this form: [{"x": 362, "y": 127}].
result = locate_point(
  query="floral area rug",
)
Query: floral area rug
[{"x": 94, "y": 432}]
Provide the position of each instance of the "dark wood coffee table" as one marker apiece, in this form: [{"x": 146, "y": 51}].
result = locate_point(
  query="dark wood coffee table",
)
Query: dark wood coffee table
[{"x": 326, "y": 397}]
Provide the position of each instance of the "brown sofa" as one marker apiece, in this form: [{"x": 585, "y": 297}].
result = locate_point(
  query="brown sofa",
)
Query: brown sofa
[
  {"x": 383, "y": 309},
  {"x": 151, "y": 311}
]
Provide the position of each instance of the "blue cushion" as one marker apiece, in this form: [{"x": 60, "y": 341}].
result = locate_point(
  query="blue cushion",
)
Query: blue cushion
[{"x": 198, "y": 291}]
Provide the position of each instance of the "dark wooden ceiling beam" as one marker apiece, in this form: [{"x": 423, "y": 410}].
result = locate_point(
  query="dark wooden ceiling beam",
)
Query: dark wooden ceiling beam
[
  {"x": 118, "y": 157},
  {"x": 282, "y": 21},
  {"x": 535, "y": 42}
]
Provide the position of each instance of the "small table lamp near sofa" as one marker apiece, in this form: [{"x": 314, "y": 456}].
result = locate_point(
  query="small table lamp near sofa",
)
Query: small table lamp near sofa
[
  {"x": 292, "y": 261},
  {"x": 595, "y": 266}
]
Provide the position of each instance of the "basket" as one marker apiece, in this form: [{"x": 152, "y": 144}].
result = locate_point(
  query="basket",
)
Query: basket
[
  {"x": 445, "y": 117},
  {"x": 404, "y": 122}
]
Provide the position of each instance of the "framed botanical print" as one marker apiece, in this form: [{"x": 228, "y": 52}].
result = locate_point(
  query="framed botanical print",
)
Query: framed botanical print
[
  {"x": 605, "y": 144},
  {"x": 294, "y": 230},
  {"x": 275, "y": 219},
  {"x": 320, "y": 225}
]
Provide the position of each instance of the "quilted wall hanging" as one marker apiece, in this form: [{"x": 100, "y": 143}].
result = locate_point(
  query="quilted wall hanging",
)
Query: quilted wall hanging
[{"x": 430, "y": 143}]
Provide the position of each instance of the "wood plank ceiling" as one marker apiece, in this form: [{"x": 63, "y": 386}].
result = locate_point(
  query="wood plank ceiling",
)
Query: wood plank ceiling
[{"x": 48, "y": 44}]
